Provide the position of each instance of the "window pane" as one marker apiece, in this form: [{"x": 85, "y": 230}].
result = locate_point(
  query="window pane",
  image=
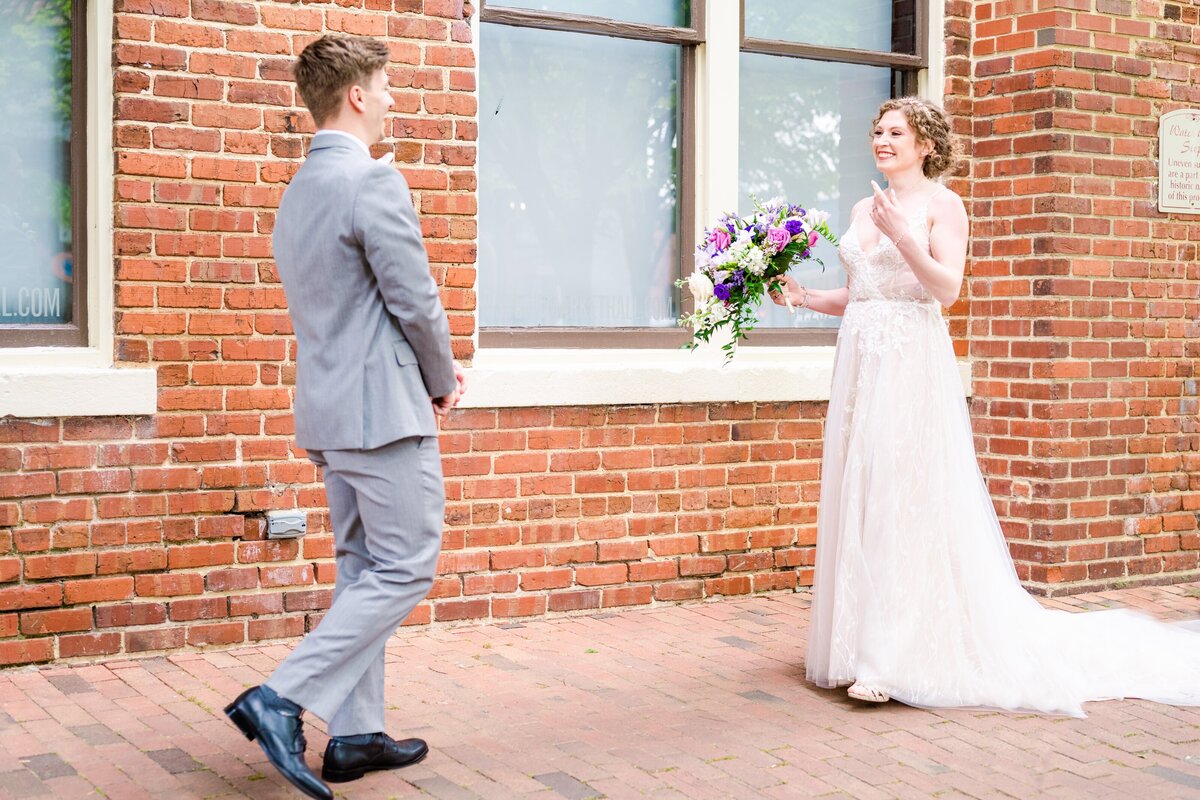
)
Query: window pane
[
  {"x": 651, "y": 12},
  {"x": 809, "y": 144},
  {"x": 883, "y": 25},
  {"x": 578, "y": 163},
  {"x": 35, "y": 162}
]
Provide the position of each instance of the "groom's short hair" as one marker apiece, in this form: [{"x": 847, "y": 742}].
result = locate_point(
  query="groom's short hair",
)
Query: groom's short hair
[{"x": 332, "y": 64}]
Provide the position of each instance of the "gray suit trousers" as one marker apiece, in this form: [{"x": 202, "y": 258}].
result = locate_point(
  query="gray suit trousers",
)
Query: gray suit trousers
[{"x": 387, "y": 506}]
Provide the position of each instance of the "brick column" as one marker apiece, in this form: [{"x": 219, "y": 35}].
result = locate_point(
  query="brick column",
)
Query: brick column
[{"x": 1083, "y": 295}]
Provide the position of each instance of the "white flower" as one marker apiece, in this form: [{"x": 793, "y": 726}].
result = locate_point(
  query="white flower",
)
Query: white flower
[
  {"x": 701, "y": 287},
  {"x": 723, "y": 258},
  {"x": 703, "y": 260},
  {"x": 816, "y": 217},
  {"x": 754, "y": 262}
]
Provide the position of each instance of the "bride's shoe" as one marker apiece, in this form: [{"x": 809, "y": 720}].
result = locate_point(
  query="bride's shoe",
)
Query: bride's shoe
[{"x": 867, "y": 694}]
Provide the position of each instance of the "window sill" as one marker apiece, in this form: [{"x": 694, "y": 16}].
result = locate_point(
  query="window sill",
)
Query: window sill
[
  {"x": 76, "y": 391},
  {"x": 518, "y": 378}
]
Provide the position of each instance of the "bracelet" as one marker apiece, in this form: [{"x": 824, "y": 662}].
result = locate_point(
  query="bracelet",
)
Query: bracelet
[
  {"x": 896, "y": 243},
  {"x": 804, "y": 299}
]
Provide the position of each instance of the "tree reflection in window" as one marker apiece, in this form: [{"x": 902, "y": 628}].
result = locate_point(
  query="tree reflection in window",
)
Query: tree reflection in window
[{"x": 36, "y": 262}]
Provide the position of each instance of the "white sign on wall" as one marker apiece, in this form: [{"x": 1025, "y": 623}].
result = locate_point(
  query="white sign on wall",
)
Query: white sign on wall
[{"x": 1179, "y": 161}]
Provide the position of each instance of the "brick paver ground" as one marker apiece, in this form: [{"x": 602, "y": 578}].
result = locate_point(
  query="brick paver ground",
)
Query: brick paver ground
[{"x": 697, "y": 701}]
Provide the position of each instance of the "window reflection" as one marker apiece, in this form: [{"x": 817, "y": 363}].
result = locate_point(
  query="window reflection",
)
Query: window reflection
[
  {"x": 880, "y": 25},
  {"x": 803, "y": 135},
  {"x": 36, "y": 264},
  {"x": 651, "y": 12},
  {"x": 578, "y": 180}
]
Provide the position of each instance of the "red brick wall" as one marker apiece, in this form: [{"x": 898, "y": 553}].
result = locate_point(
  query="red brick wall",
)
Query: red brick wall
[
  {"x": 957, "y": 101},
  {"x": 130, "y": 535},
  {"x": 127, "y": 535},
  {"x": 122, "y": 535},
  {"x": 584, "y": 508},
  {"x": 1084, "y": 296}
]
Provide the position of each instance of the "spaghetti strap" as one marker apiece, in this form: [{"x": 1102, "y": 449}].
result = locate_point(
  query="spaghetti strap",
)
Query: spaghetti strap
[
  {"x": 924, "y": 207},
  {"x": 929, "y": 197}
]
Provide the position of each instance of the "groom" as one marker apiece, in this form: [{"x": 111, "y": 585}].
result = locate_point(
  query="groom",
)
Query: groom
[{"x": 374, "y": 367}]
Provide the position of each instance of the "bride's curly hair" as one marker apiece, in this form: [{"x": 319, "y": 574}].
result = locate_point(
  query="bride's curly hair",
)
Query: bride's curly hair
[{"x": 930, "y": 124}]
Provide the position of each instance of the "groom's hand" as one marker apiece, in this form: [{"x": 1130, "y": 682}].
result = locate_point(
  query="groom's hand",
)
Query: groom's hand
[
  {"x": 460, "y": 375},
  {"x": 443, "y": 405}
]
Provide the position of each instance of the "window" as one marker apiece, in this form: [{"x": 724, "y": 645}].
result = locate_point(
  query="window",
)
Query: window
[
  {"x": 43, "y": 194},
  {"x": 56, "y": 204},
  {"x": 811, "y": 77},
  {"x": 586, "y": 175},
  {"x": 598, "y": 165}
]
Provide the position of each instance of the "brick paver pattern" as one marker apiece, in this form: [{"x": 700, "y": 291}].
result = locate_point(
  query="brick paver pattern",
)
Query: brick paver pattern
[{"x": 697, "y": 701}]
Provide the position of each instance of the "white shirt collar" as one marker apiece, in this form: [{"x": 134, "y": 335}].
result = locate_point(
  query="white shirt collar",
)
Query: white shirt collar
[{"x": 325, "y": 132}]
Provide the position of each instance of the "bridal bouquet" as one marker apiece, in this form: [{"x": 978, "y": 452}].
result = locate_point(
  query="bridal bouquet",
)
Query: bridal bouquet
[{"x": 741, "y": 259}]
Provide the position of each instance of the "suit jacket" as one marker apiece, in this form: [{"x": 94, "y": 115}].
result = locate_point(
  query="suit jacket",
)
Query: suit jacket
[{"x": 374, "y": 343}]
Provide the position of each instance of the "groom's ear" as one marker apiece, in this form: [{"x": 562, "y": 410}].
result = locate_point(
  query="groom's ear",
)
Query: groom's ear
[{"x": 356, "y": 97}]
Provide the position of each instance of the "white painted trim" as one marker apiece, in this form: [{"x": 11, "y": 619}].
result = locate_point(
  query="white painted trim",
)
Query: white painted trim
[
  {"x": 503, "y": 378},
  {"x": 101, "y": 187},
  {"x": 476, "y": 30},
  {"x": 931, "y": 82},
  {"x": 79, "y": 392},
  {"x": 81, "y": 381},
  {"x": 717, "y": 87}
]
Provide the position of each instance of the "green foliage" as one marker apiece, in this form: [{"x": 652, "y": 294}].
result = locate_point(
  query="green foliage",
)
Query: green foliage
[
  {"x": 36, "y": 27},
  {"x": 36, "y": 105}
]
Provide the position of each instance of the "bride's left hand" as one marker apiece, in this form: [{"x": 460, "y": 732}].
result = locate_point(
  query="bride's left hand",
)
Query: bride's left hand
[
  {"x": 886, "y": 213},
  {"x": 788, "y": 295}
]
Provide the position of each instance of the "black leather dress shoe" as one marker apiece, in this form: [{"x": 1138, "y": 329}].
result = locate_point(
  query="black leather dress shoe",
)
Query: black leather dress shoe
[
  {"x": 275, "y": 722},
  {"x": 348, "y": 758}
]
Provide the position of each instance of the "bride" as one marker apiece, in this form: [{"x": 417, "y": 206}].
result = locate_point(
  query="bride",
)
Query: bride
[{"x": 915, "y": 596}]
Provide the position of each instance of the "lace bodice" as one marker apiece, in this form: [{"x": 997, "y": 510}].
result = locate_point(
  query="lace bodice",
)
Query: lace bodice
[{"x": 882, "y": 273}]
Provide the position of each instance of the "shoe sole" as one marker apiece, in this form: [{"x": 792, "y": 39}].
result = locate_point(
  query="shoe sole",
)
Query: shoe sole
[{"x": 344, "y": 776}]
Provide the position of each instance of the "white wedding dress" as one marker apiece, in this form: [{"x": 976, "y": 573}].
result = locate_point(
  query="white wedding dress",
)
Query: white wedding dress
[{"x": 915, "y": 592}]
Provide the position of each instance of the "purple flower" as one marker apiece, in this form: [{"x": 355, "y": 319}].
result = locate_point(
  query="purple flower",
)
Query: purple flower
[
  {"x": 793, "y": 227},
  {"x": 739, "y": 277},
  {"x": 721, "y": 291},
  {"x": 778, "y": 238}
]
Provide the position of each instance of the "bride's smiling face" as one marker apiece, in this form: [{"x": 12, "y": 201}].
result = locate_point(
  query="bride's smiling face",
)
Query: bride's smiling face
[{"x": 895, "y": 145}]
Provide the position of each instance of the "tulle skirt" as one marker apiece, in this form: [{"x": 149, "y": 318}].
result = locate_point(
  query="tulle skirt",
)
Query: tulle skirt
[{"x": 915, "y": 591}]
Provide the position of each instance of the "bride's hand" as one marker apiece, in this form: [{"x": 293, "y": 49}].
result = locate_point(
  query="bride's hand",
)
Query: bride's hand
[
  {"x": 887, "y": 215},
  {"x": 790, "y": 286}
]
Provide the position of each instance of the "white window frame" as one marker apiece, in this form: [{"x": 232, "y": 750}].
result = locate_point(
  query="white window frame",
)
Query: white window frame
[{"x": 42, "y": 382}]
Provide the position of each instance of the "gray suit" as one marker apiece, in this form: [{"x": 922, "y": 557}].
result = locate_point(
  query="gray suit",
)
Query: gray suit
[{"x": 374, "y": 347}]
